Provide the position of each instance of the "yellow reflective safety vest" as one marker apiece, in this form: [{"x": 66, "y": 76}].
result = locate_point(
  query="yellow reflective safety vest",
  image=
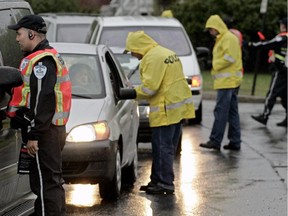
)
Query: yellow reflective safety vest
[
  {"x": 21, "y": 94},
  {"x": 227, "y": 58},
  {"x": 163, "y": 83}
]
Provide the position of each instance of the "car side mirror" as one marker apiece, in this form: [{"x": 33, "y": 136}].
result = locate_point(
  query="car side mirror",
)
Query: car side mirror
[
  {"x": 127, "y": 93},
  {"x": 202, "y": 52},
  {"x": 10, "y": 77}
]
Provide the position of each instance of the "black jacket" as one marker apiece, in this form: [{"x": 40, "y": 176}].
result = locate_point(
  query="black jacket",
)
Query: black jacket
[
  {"x": 279, "y": 45},
  {"x": 42, "y": 109}
]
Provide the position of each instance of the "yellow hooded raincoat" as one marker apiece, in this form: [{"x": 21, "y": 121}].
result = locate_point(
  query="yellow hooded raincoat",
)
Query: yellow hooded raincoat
[
  {"x": 227, "y": 59},
  {"x": 163, "y": 81}
]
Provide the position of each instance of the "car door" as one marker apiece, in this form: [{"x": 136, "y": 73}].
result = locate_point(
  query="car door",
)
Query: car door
[
  {"x": 127, "y": 109},
  {"x": 12, "y": 185}
]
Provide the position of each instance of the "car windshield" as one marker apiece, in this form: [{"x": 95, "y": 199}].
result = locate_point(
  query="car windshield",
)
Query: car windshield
[
  {"x": 170, "y": 37},
  {"x": 72, "y": 32},
  {"x": 130, "y": 66},
  {"x": 86, "y": 75}
]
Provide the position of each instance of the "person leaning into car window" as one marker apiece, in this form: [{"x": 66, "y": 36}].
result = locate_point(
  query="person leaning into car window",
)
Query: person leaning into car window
[
  {"x": 42, "y": 104},
  {"x": 165, "y": 88}
]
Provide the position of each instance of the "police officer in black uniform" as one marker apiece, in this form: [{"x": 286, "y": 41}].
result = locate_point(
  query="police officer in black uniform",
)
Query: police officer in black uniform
[
  {"x": 278, "y": 65},
  {"x": 44, "y": 110}
]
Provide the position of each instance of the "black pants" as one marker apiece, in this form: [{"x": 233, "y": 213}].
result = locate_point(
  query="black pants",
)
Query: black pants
[
  {"x": 278, "y": 88},
  {"x": 46, "y": 174}
]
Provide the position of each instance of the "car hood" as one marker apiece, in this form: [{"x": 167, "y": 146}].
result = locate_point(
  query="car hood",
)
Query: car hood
[
  {"x": 190, "y": 68},
  {"x": 84, "y": 111}
]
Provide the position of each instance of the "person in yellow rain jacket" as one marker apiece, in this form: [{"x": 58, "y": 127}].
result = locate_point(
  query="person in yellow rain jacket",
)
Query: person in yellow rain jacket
[
  {"x": 166, "y": 89},
  {"x": 227, "y": 75}
]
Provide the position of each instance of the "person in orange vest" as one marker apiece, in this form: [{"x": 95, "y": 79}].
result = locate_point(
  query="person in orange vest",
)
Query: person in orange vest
[
  {"x": 40, "y": 107},
  {"x": 278, "y": 64}
]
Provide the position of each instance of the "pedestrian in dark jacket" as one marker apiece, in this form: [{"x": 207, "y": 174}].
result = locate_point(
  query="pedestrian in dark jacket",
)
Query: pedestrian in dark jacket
[
  {"x": 278, "y": 65},
  {"x": 40, "y": 107}
]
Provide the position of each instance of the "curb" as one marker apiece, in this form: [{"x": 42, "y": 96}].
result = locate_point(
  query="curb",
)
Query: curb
[{"x": 241, "y": 98}]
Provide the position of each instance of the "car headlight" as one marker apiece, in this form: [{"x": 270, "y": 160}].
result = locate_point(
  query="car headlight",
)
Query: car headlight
[
  {"x": 89, "y": 132},
  {"x": 194, "y": 81}
]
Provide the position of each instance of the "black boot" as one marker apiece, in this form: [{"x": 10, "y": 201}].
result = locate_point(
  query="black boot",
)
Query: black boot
[
  {"x": 261, "y": 118},
  {"x": 283, "y": 123}
]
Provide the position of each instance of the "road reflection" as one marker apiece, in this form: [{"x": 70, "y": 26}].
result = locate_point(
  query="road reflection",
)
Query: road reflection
[
  {"x": 186, "y": 199},
  {"x": 187, "y": 176},
  {"x": 82, "y": 195}
]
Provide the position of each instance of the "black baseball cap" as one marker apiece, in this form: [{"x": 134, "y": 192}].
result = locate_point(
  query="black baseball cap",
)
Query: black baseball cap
[{"x": 33, "y": 22}]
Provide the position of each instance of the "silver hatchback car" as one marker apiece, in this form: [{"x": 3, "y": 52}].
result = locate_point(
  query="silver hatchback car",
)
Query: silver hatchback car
[{"x": 102, "y": 128}]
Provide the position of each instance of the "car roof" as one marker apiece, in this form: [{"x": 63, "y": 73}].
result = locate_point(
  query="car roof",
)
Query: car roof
[
  {"x": 138, "y": 20},
  {"x": 79, "y": 48},
  {"x": 68, "y": 18}
]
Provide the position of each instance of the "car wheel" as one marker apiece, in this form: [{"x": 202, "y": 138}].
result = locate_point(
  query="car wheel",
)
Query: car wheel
[
  {"x": 111, "y": 190},
  {"x": 179, "y": 146},
  {"x": 198, "y": 116},
  {"x": 129, "y": 173}
]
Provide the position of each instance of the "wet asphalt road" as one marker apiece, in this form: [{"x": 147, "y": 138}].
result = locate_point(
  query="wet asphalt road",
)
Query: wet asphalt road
[{"x": 252, "y": 182}]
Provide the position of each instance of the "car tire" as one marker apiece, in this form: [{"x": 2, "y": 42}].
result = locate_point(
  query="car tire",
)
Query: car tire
[
  {"x": 198, "y": 116},
  {"x": 129, "y": 173},
  {"x": 111, "y": 190}
]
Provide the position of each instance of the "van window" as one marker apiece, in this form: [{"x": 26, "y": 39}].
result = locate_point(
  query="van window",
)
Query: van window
[
  {"x": 20, "y": 12},
  {"x": 11, "y": 54},
  {"x": 172, "y": 38},
  {"x": 67, "y": 33}
]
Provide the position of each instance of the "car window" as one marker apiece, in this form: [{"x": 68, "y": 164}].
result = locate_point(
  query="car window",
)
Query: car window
[
  {"x": 116, "y": 78},
  {"x": 130, "y": 66},
  {"x": 173, "y": 38},
  {"x": 72, "y": 32},
  {"x": 85, "y": 74}
]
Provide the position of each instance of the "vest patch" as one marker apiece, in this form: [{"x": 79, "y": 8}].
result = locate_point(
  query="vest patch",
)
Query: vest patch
[
  {"x": 40, "y": 70},
  {"x": 24, "y": 63}
]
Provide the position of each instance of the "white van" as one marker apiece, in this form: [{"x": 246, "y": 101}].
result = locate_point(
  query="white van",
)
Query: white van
[
  {"x": 168, "y": 32},
  {"x": 15, "y": 192}
]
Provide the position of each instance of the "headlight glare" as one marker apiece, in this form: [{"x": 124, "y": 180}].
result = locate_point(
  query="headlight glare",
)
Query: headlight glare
[{"x": 89, "y": 132}]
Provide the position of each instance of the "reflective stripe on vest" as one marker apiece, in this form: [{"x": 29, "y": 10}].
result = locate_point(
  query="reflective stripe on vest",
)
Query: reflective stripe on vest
[
  {"x": 172, "y": 106},
  {"x": 21, "y": 95},
  {"x": 280, "y": 57},
  {"x": 148, "y": 91},
  {"x": 227, "y": 74},
  {"x": 229, "y": 58}
]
